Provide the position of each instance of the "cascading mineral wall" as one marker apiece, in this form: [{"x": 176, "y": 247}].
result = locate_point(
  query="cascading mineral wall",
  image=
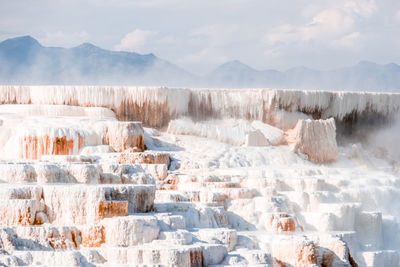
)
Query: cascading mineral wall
[{"x": 156, "y": 106}]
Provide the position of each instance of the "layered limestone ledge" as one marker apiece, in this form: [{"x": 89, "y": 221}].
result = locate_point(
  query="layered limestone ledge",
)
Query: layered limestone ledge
[
  {"x": 21, "y": 191},
  {"x": 130, "y": 230},
  {"x": 42, "y": 110},
  {"x": 197, "y": 215},
  {"x": 30, "y": 137},
  {"x": 80, "y": 172},
  {"x": 146, "y": 157},
  {"x": 198, "y": 254},
  {"x": 72, "y": 204},
  {"x": 19, "y": 211},
  {"x": 81, "y": 205},
  {"x": 43, "y": 237}
]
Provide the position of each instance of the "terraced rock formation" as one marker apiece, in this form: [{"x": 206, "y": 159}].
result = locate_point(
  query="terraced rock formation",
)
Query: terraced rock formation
[{"x": 82, "y": 186}]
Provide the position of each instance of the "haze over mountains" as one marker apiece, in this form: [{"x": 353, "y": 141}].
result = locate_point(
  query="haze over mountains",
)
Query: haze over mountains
[{"x": 23, "y": 60}]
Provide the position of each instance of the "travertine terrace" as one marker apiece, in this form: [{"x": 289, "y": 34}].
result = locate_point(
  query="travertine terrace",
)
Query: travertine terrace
[{"x": 124, "y": 176}]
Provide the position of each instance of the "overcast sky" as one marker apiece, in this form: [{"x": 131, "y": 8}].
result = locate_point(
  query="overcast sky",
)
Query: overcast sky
[{"x": 199, "y": 35}]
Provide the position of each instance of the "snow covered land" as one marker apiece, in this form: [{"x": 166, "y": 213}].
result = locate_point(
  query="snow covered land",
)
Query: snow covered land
[{"x": 125, "y": 176}]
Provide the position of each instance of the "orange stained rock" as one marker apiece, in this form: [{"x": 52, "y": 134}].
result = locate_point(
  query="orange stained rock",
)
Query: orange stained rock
[
  {"x": 93, "y": 236},
  {"x": 143, "y": 158},
  {"x": 81, "y": 142},
  {"x": 151, "y": 113},
  {"x": 123, "y": 135},
  {"x": 283, "y": 222},
  {"x": 286, "y": 224},
  {"x": 18, "y": 214},
  {"x": 25, "y": 218},
  {"x": 303, "y": 256},
  {"x": 307, "y": 256},
  {"x": 33, "y": 147},
  {"x": 173, "y": 182},
  {"x": 314, "y": 138},
  {"x": 196, "y": 258},
  {"x": 132, "y": 150},
  {"x": 108, "y": 209},
  {"x": 40, "y": 218},
  {"x": 170, "y": 183}
]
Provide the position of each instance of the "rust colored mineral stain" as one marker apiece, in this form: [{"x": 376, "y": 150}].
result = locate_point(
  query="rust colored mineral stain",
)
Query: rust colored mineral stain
[
  {"x": 143, "y": 158},
  {"x": 25, "y": 218},
  {"x": 122, "y": 136},
  {"x": 34, "y": 147},
  {"x": 283, "y": 222},
  {"x": 287, "y": 225},
  {"x": 307, "y": 256},
  {"x": 196, "y": 258},
  {"x": 151, "y": 113},
  {"x": 108, "y": 209},
  {"x": 93, "y": 236},
  {"x": 62, "y": 146},
  {"x": 81, "y": 142}
]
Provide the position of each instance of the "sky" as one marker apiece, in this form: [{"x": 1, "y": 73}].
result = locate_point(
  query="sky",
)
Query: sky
[{"x": 200, "y": 35}]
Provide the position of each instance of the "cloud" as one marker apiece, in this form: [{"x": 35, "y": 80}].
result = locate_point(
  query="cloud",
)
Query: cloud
[
  {"x": 333, "y": 26},
  {"x": 135, "y": 41}
]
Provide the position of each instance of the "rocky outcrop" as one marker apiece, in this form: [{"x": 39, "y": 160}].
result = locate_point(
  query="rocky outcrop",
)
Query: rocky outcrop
[{"x": 315, "y": 138}]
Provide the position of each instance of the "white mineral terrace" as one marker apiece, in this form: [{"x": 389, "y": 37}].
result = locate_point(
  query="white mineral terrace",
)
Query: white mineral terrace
[
  {"x": 229, "y": 177},
  {"x": 156, "y": 106}
]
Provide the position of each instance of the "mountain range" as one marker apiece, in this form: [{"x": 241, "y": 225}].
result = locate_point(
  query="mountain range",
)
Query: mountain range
[{"x": 23, "y": 60}]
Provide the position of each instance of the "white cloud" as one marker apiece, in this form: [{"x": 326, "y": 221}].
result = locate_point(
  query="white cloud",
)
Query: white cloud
[
  {"x": 333, "y": 20},
  {"x": 336, "y": 25},
  {"x": 135, "y": 41}
]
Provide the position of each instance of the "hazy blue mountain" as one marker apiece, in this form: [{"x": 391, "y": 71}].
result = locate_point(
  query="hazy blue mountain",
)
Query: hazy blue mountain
[
  {"x": 237, "y": 74},
  {"x": 24, "y": 61},
  {"x": 362, "y": 76}
]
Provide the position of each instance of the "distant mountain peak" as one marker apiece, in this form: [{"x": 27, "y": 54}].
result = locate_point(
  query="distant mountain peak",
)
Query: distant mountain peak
[
  {"x": 235, "y": 65},
  {"x": 88, "y": 46},
  {"x": 366, "y": 64},
  {"x": 26, "y": 41},
  {"x": 300, "y": 69},
  {"x": 25, "y": 60}
]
